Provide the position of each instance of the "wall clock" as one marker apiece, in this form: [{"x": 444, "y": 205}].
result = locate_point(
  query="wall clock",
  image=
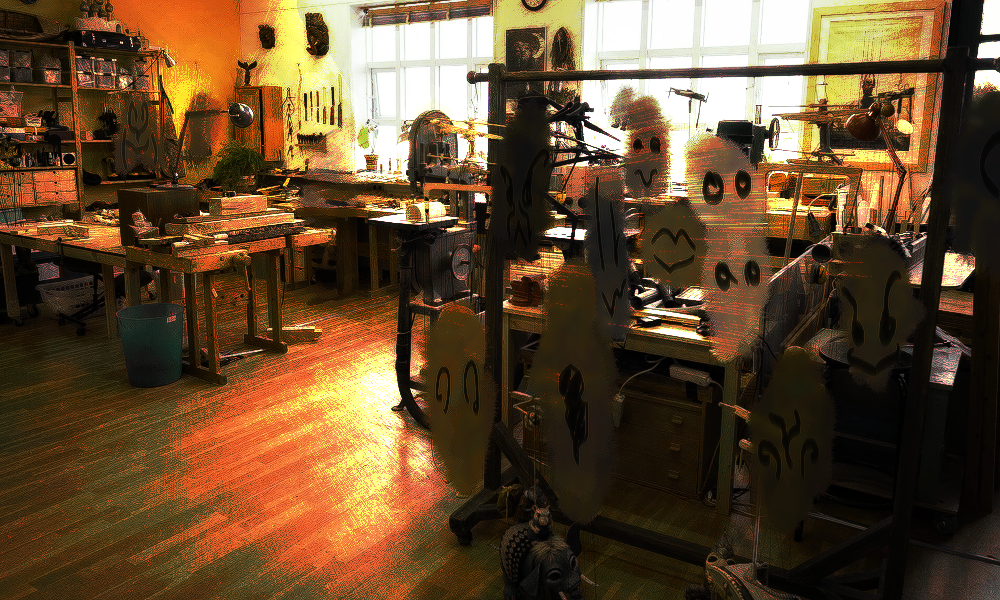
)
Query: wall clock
[{"x": 534, "y": 5}]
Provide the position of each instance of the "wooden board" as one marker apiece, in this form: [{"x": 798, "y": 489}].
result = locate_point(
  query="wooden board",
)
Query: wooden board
[{"x": 228, "y": 224}]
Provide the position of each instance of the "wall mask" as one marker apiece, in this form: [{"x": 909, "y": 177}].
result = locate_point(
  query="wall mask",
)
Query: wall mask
[
  {"x": 266, "y": 35},
  {"x": 317, "y": 35}
]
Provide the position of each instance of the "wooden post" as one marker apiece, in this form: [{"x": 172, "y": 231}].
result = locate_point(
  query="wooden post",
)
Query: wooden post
[
  {"x": 10, "y": 281},
  {"x": 980, "y": 457},
  {"x": 110, "y": 300},
  {"x": 213, "y": 345},
  {"x": 923, "y": 341}
]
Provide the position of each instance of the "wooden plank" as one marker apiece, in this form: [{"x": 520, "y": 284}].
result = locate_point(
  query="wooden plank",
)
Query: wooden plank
[{"x": 228, "y": 224}]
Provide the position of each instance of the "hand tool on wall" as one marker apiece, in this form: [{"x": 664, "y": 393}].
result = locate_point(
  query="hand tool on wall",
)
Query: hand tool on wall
[{"x": 340, "y": 97}]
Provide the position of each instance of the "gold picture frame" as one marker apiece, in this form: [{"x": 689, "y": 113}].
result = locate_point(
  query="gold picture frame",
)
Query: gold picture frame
[{"x": 874, "y": 32}]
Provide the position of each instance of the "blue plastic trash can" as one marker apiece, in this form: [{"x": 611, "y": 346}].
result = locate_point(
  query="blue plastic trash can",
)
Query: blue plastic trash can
[{"x": 151, "y": 338}]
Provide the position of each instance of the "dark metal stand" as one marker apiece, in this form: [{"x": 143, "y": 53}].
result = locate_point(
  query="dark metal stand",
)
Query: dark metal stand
[{"x": 811, "y": 578}]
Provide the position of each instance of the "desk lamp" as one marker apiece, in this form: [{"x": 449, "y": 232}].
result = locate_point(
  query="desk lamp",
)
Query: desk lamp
[
  {"x": 867, "y": 127},
  {"x": 240, "y": 115}
]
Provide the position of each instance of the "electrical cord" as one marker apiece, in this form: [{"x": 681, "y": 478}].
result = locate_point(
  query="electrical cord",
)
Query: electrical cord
[{"x": 656, "y": 364}]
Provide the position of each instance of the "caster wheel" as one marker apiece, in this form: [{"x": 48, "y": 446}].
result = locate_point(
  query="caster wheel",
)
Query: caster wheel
[
  {"x": 18, "y": 321},
  {"x": 33, "y": 310},
  {"x": 81, "y": 331},
  {"x": 945, "y": 524},
  {"x": 62, "y": 321}
]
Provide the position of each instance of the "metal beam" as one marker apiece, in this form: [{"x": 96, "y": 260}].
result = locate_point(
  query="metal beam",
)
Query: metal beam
[
  {"x": 843, "y": 554},
  {"x": 923, "y": 340},
  {"x": 933, "y": 65},
  {"x": 493, "y": 281}
]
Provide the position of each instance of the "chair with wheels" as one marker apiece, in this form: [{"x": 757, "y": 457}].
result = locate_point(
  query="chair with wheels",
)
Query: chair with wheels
[{"x": 99, "y": 298}]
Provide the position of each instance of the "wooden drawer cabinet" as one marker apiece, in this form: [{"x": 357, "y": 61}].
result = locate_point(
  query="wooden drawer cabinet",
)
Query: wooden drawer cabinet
[
  {"x": 57, "y": 186},
  {"x": 657, "y": 473},
  {"x": 666, "y": 441}
]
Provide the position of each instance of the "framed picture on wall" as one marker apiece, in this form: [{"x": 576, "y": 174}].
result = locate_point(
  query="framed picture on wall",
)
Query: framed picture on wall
[
  {"x": 526, "y": 52},
  {"x": 877, "y": 32}
]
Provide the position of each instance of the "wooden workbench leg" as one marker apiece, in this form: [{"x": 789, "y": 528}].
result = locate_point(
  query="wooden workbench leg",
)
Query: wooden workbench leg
[
  {"x": 10, "y": 282},
  {"x": 213, "y": 344},
  {"x": 374, "y": 272},
  {"x": 164, "y": 286},
  {"x": 110, "y": 300},
  {"x": 270, "y": 266},
  {"x": 191, "y": 301},
  {"x": 727, "y": 442},
  {"x": 273, "y": 307},
  {"x": 132, "y": 290},
  {"x": 347, "y": 256},
  {"x": 251, "y": 303}
]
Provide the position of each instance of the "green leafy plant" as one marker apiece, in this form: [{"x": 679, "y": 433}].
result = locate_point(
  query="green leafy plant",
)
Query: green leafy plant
[
  {"x": 235, "y": 163},
  {"x": 367, "y": 135}
]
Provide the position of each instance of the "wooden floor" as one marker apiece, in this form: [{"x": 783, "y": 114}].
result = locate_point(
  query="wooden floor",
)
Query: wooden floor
[{"x": 296, "y": 481}]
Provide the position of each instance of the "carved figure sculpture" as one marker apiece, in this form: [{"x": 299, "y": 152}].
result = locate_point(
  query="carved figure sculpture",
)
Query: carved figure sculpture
[
  {"x": 536, "y": 564},
  {"x": 317, "y": 34}
]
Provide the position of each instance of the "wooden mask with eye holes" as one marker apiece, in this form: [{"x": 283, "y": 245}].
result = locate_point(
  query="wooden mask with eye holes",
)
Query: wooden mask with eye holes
[{"x": 878, "y": 311}]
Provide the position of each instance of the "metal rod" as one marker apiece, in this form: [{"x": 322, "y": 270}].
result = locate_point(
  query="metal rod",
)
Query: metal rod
[
  {"x": 923, "y": 342},
  {"x": 856, "y": 68}
]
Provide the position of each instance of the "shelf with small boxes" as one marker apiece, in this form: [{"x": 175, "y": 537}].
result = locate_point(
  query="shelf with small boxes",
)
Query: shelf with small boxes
[{"x": 48, "y": 78}]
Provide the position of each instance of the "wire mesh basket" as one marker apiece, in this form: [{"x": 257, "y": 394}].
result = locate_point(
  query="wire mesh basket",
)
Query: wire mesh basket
[{"x": 68, "y": 296}]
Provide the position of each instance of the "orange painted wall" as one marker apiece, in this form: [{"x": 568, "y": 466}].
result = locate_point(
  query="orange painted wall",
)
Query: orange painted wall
[{"x": 202, "y": 36}]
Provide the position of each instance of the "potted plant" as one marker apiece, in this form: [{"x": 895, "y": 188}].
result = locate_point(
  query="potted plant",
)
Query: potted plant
[
  {"x": 366, "y": 139},
  {"x": 238, "y": 167}
]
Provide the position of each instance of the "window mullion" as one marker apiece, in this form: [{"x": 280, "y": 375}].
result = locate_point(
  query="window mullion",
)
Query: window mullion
[
  {"x": 753, "y": 57},
  {"x": 644, "y": 44},
  {"x": 699, "y": 9}
]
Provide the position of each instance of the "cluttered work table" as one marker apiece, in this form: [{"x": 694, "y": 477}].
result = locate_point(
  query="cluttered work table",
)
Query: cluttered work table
[
  {"x": 350, "y": 201},
  {"x": 102, "y": 244}
]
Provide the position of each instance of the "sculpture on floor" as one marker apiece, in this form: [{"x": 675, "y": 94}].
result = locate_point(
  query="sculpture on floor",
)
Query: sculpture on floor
[{"x": 537, "y": 564}]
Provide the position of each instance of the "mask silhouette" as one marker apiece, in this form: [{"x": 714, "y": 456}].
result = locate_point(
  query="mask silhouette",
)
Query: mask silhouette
[
  {"x": 647, "y": 151},
  {"x": 878, "y": 309},
  {"x": 571, "y": 389},
  {"x": 673, "y": 245},
  {"x": 266, "y": 35}
]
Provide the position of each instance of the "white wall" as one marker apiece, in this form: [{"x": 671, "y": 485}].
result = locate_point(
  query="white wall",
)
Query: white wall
[{"x": 290, "y": 66}]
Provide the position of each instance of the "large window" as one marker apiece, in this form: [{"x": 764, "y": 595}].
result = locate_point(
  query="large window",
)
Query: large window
[
  {"x": 420, "y": 66},
  {"x": 664, "y": 34}
]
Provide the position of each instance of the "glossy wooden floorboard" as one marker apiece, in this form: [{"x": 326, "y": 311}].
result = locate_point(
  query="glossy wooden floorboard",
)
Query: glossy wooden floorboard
[{"x": 294, "y": 481}]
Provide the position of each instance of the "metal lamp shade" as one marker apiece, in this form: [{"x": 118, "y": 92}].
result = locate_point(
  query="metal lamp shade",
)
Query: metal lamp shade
[
  {"x": 241, "y": 115},
  {"x": 865, "y": 127}
]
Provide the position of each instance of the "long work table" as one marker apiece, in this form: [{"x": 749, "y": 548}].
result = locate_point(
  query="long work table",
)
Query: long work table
[{"x": 103, "y": 246}]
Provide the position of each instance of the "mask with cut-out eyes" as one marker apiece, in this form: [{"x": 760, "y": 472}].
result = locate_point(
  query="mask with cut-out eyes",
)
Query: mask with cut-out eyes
[
  {"x": 792, "y": 429},
  {"x": 606, "y": 249},
  {"x": 877, "y": 308},
  {"x": 572, "y": 374},
  {"x": 727, "y": 193},
  {"x": 461, "y": 398},
  {"x": 647, "y": 152},
  {"x": 520, "y": 213}
]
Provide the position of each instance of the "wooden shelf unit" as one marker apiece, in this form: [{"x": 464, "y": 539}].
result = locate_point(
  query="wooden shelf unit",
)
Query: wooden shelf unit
[{"x": 67, "y": 53}]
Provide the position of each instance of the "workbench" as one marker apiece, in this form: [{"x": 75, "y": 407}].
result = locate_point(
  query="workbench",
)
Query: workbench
[
  {"x": 260, "y": 256},
  {"x": 102, "y": 246},
  {"x": 344, "y": 198},
  {"x": 347, "y": 248},
  {"x": 666, "y": 340}
]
